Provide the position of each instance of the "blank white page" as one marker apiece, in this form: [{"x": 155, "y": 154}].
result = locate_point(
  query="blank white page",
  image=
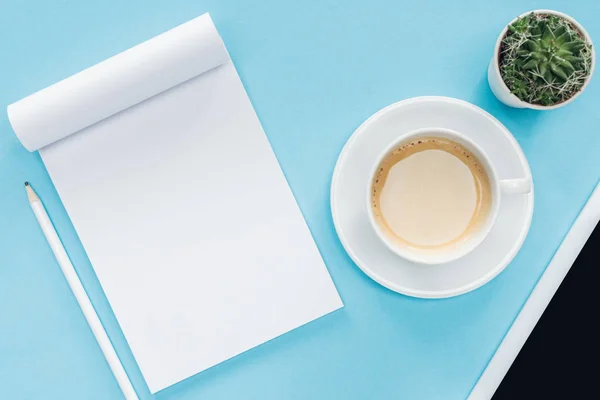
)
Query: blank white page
[{"x": 191, "y": 227}]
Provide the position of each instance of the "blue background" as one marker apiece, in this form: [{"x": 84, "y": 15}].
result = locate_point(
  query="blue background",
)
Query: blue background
[{"x": 314, "y": 71}]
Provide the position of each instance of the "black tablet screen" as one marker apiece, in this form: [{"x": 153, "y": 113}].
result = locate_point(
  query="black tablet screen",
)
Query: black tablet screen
[{"x": 560, "y": 358}]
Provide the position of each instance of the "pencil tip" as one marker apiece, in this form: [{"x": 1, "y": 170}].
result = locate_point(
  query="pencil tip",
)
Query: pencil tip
[{"x": 30, "y": 193}]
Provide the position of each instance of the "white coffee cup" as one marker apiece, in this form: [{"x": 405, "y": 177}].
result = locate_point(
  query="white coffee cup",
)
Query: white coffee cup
[{"x": 499, "y": 188}]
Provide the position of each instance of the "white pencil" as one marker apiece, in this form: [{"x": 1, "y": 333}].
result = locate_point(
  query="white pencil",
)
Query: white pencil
[{"x": 80, "y": 294}]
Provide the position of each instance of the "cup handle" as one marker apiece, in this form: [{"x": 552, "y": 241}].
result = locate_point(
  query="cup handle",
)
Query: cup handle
[{"x": 515, "y": 186}]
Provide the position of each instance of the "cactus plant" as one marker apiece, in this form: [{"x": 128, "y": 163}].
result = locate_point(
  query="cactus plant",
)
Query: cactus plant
[{"x": 544, "y": 59}]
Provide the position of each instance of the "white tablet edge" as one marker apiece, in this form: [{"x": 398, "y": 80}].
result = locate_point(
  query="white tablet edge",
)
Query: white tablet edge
[{"x": 538, "y": 300}]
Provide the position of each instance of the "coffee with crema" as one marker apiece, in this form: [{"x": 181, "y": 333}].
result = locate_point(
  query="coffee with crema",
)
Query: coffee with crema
[{"x": 430, "y": 193}]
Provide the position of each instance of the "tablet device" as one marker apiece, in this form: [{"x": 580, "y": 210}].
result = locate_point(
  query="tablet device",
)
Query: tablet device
[
  {"x": 548, "y": 351},
  {"x": 556, "y": 360}
]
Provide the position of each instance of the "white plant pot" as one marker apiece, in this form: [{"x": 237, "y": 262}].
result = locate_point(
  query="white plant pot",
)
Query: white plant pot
[{"x": 502, "y": 92}]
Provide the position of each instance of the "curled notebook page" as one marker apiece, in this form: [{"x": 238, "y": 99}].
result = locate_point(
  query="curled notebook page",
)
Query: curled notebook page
[
  {"x": 178, "y": 199},
  {"x": 117, "y": 83}
]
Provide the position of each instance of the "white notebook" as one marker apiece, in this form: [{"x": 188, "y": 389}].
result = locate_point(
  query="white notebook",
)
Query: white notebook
[{"x": 178, "y": 199}]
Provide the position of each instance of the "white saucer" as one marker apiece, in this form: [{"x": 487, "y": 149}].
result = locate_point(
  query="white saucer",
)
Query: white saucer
[{"x": 350, "y": 180}]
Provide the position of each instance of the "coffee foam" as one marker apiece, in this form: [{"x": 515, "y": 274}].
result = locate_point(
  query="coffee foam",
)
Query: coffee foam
[{"x": 438, "y": 194}]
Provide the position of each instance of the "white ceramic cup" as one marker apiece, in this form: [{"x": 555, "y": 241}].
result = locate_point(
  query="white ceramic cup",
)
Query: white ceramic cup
[{"x": 500, "y": 188}]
